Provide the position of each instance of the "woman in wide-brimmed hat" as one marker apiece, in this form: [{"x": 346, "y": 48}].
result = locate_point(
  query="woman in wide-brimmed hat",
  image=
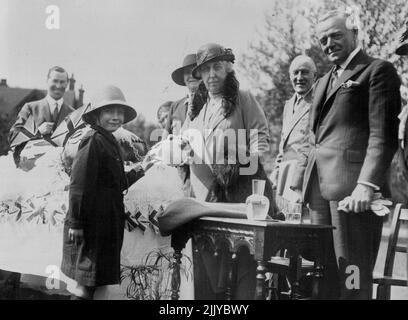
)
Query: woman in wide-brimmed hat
[
  {"x": 220, "y": 171},
  {"x": 224, "y": 174},
  {"x": 93, "y": 229}
]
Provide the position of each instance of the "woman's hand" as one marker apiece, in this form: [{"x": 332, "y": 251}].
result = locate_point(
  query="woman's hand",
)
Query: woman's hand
[{"x": 76, "y": 235}]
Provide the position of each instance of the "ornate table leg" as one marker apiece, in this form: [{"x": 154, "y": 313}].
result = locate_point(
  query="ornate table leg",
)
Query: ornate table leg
[
  {"x": 260, "y": 280},
  {"x": 232, "y": 277},
  {"x": 176, "y": 279},
  {"x": 178, "y": 242},
  {"x": 317, "y": 280},
  {"x": 295, "y": 265}
]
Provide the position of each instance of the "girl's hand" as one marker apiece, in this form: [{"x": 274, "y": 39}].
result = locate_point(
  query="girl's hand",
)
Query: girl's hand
[{"x": 76, "y": 235}]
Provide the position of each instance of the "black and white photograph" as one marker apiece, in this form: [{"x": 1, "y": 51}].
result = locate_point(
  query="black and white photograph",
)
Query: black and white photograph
[{"x": 221, "y": 150}]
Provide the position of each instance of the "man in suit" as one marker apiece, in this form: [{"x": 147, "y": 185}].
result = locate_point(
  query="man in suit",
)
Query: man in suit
[
  {"x": 295, "y": 121},
  {"x": 38, "y": 119},
  {"x": 352, "y": 139},
  {"x": 183, "y": 77}
]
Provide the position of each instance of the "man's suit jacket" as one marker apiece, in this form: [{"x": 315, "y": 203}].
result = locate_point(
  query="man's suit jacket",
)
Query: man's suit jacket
[
  {"x": 354, "y": 128},
  {"x": 39, "y": 112},
  {"x": 295, "y": 127},
  {"x": 177, "y": 116}
]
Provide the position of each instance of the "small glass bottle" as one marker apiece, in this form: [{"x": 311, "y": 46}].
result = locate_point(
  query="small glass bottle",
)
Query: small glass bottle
[{"x": 257, "y": 205}]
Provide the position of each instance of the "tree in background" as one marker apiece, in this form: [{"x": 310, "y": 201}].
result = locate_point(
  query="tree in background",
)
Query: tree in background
[
  {"x": 287, "y": 33},
  {"x": 289, "y": 30},
  {"x": 4, "y": 131}
]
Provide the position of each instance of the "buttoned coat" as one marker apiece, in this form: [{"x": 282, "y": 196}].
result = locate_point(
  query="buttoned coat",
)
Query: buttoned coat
[
  {"x": 353, "y": 128},
  {"x": 247, "y": 130},
  {"x": 96, "y": 205}
]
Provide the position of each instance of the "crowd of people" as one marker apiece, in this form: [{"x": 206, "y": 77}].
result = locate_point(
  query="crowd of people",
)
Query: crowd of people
[{"x": 339, "y": 135}]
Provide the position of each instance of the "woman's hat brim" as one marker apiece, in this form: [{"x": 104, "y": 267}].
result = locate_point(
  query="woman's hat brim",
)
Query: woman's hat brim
[
  {"x": 226, "y": 57},
  {"x": 130, "y": 112},
  {"x": 402, "y": 50},
  {"x": 178, "y": 74}
]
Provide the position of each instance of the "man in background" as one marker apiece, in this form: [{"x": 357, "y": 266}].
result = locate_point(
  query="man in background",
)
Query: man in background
[
  {"x": 38, "y": 119},
  {"x": 295, "y": 126}
]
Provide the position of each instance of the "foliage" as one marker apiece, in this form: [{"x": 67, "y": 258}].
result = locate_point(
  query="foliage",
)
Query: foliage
[
  {"x": 286, "y": 34},
  {"x": 152, "y": 279},
  {"x": 382, "y": 23}
]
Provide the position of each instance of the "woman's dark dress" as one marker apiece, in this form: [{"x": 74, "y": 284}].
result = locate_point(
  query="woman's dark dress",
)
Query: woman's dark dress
[{"x": 96, "y": 205}]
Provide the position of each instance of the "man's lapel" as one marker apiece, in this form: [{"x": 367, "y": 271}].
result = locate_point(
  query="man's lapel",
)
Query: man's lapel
[
  {"x": 46, "y": 110},
  {"x": 359, "y": 62},
  {"x": 304, "y": 107},
  {"x": 65, "y": 110},
  {"x": 319, "y": 97},
  {"x": 288, "y": 114}
]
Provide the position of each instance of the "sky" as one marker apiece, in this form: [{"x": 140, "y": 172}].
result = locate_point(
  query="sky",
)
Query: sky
[{"x": 133, "y": 44}]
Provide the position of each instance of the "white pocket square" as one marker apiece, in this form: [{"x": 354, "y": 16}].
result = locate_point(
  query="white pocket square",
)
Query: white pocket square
[{"x": 350, "y": 83}]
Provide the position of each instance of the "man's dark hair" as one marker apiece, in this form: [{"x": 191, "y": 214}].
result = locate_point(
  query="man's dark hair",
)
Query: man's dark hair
[{"x": 57, "y": 69}]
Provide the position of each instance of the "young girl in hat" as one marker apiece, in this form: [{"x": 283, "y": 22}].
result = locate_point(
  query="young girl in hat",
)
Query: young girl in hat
[{"x": 93, "y": 229}]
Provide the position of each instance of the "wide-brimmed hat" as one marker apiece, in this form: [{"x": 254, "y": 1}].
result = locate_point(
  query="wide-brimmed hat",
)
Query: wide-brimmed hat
[
  {"x": 211, "y": 52},
  {"x": 109, "y": 96},
  {"x": 178, "y": 74},
  {"x": 402, "y": 48}
]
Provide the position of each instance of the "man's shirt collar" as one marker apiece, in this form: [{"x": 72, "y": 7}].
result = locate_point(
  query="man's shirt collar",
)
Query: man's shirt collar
[
  {"x": 51, "y": 102},
  {"x": 345, "y": 64}
]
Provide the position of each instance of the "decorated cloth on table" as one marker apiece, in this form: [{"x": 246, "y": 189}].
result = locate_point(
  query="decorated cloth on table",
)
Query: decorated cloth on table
[
  {"x": 182, "y": 211},
  {"x": 33, "y": 205}
]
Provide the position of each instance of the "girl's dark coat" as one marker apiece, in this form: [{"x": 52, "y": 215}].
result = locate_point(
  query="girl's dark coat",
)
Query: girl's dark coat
[{"x": 96, "y": 205}]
